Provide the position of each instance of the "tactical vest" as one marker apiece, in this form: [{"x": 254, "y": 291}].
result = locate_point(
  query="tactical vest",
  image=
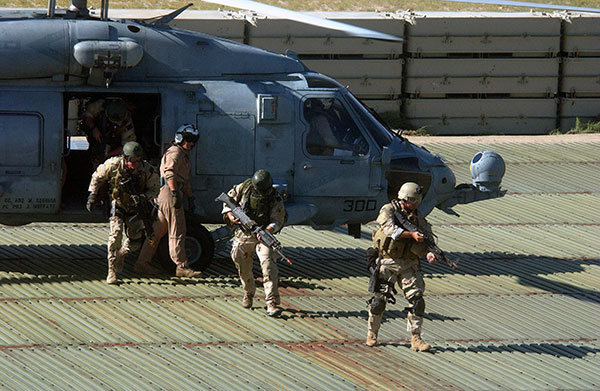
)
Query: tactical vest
[
  {"x": 257, "y": 207},
  {"x": 400, "y": 248},
  {"x": 119, "y": 191}
]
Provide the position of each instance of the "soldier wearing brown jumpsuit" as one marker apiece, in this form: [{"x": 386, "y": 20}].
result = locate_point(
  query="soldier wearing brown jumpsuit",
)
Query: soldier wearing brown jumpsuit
[{"x": 175, "y": 175}]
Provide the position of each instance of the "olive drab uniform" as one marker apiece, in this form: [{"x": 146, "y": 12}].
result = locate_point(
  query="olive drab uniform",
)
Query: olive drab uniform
[
  {"x": 175, "y": 164},
  {"x": 267, "y": 210},
  {"x": 146, "y": 182},
  {"x": 400, "y": 262}
]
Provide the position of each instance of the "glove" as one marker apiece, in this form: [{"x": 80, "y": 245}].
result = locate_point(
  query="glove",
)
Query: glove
[
  {"x": 176, "y": 199},
  {"x": 90, "y": 202},
  {"x": 191, "y": 204}
]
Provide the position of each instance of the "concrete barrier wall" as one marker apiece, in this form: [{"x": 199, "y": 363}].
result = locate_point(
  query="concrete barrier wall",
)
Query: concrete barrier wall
[{"x": 455, "y": 73}]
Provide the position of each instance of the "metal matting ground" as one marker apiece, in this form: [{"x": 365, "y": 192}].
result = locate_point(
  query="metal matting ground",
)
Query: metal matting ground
[{"x": 522, "y": 312}]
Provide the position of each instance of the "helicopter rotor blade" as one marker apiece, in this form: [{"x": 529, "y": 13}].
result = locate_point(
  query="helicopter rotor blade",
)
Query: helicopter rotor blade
[
  {"x": 300, "y": 17},
  {"x": 528, "y": 4}
]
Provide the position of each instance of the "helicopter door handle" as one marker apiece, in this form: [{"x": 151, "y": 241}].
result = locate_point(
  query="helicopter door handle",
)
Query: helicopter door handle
[
  {"x": 155, "y": 121},
  {"x": 347, "y": 161},
  {"x": 307, "y": 166}
]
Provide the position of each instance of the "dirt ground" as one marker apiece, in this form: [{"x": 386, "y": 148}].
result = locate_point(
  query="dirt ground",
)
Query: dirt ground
[{"x": 544, "y": 139}]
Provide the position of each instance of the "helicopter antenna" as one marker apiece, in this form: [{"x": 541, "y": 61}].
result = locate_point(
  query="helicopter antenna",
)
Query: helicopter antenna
[
  {"x": 159, "y": 20},
  {"x": 527, "y": 4},
  {"x": 51, "y": 8},
  {"x": 300, "y": 17},
  {"x": 104, "y": 10}
]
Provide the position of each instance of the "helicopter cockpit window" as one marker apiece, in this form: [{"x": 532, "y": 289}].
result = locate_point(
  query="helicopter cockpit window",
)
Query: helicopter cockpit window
[{"x": 332, "y": 132}]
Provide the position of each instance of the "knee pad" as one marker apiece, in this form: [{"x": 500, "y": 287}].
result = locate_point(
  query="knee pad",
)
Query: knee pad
[
  {"x": 417, "y": 305},
  {"x": 377, "y": 304}
]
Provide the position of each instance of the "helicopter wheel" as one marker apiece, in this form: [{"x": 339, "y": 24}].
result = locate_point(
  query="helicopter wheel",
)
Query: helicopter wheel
[{"x": 199, "y": 247}]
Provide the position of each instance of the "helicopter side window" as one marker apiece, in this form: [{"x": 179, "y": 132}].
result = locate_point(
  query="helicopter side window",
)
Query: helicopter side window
[
  {"x": 332, "y": 130},
  {"x": 25, "y": 132}
]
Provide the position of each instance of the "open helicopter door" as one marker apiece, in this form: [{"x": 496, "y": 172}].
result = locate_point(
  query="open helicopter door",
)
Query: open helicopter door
[
  {"x": 333, "y": 156},
  {"x": 31, "y": 133}
]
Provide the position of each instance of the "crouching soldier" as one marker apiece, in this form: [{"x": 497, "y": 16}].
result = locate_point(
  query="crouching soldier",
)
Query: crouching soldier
[
  {"x": 123, "y": 174},
  {"x": 399, "y": 253},
  {"x": 263, "y": 204}
]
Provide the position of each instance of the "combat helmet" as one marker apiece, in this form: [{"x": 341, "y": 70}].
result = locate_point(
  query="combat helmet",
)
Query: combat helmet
[
  {"x": 115, "y": 111},
  {"x": 132, "y": 149},
  {"x": 262, "y": 181},
  {"x": 410, "y": 192},
  {"x": 186, "y": 132}
]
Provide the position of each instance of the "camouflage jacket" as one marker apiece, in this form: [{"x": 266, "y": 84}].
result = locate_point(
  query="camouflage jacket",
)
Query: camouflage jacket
[{"x": 112, "y": 173}]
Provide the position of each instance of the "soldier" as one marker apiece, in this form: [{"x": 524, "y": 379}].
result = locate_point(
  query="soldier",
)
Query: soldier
[
  {"x": 399, "y": 253},
  {"x": 264, "y": 205},
  {"x": 115, "y": 172},
  {"x": 109, "y": 126},
  {"x": 175, "y": 178}
]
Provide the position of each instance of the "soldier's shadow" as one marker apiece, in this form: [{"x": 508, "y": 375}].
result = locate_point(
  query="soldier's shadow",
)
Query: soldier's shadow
[{"x": 555, "y": 349}]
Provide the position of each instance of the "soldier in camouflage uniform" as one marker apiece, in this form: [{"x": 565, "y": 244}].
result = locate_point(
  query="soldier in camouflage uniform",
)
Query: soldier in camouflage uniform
[
  {"x": 399, "y": 256},
  {"x": 125, "y": 233},
  {"x": 264, "y": 205},
  {"x": 109, "y": 126},
  {"x": 175, "y": 175}
]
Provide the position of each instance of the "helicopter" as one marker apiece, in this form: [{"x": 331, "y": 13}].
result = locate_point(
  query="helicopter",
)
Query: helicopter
[{"x": 253, "y": 109}]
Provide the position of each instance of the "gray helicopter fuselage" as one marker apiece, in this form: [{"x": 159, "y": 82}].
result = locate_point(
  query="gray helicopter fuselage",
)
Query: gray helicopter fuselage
[{"x": 249, "y": 105}]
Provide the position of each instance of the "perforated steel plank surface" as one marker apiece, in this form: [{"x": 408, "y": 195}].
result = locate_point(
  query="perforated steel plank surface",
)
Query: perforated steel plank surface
[{"x": 521, "y": 313}]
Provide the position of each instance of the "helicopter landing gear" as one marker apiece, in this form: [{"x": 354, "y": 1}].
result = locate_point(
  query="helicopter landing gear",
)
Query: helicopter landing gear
[{"x": 199, "y": 247}]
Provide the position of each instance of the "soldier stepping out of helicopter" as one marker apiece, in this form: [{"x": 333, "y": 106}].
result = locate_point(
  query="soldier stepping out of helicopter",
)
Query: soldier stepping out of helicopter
[
  {"x": 175, "y": 179},
  {"x": 109, "y": 126},
  {"x": 263, "y": 204},
  {"x": 399, "y": 252},
  {"x": 125, "y": 231}
]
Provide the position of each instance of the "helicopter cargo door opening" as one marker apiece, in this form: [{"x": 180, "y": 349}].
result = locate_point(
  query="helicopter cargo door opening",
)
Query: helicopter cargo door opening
[
  {"x": 30, "y": 155},
  {"x": 96, "y": 125}
]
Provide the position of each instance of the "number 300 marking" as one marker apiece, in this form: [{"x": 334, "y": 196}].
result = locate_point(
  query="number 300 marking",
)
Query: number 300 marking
[{"x": 359, "y": 205}]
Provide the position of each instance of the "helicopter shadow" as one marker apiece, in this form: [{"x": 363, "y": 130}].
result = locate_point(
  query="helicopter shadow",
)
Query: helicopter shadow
[{"x": 310, "y": 269}]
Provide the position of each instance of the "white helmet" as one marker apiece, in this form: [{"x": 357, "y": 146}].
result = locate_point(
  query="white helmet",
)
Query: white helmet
[
  {"x": 186, "y": 132},
  {"x": 410, "y": 192}
]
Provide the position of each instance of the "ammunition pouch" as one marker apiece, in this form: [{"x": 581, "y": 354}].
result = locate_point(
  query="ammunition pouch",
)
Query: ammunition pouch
[
  {"x": 376, "y": 304},
  {"x": 388, "y": 247},
  {"x": 418, "y": 249}
]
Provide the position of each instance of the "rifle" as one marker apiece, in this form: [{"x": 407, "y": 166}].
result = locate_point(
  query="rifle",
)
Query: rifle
[
  {"x": 266, "y": 237},
  {"x": 428, "y": 240},
  {"x": 143, "y": 208}
]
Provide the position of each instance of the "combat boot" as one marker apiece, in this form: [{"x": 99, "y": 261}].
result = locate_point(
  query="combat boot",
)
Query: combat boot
[
  {"x": 185, "y": 271},
  {"x": 417, "y": 344},
  {"x": 111, "y": 278},
  {"x": 142, "y": 267},
  {"x": 273, "y": 311},
  {"x": 371, "y": 339},
  {"x": 247, "y": 300}
]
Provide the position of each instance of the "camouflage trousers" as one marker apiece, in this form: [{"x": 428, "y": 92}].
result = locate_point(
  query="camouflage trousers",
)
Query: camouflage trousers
[
  {"x": 411, "y": 283},
  {"x": 242, "y": 254},
  {"x": 123, "y": 238}
]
